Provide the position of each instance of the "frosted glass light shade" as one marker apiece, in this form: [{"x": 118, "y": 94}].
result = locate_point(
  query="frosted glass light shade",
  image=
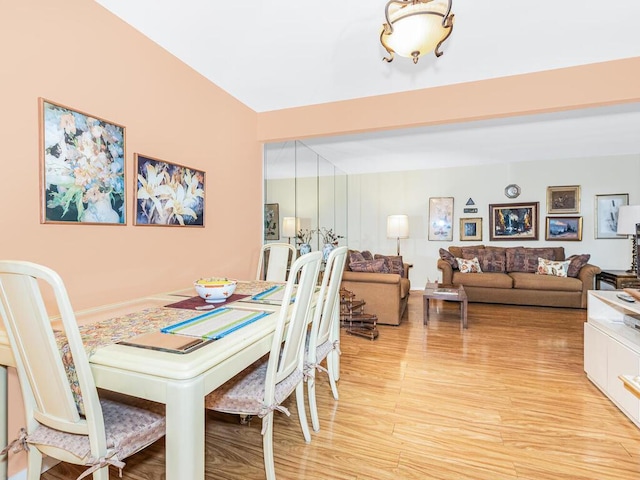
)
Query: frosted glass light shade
[
  {"x": 398, "y": 226},
  {"x": 628, "y": 216},
  {"x": 289, "y": 226}
]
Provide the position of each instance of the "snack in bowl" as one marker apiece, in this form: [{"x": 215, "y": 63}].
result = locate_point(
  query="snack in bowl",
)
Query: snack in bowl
[{"x": 214, "y": 289}]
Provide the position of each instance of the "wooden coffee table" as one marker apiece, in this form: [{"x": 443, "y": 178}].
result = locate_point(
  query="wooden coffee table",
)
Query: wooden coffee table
[{"x": 449, "y": 293}]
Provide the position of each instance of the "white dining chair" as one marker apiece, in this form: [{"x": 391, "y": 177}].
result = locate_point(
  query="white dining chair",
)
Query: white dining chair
[
  {"x": 260, "y": 389},
  {"x": 66, "y": 421},
  {"x": 274, "y": 261},
  {"x": 321, "y": 345}
]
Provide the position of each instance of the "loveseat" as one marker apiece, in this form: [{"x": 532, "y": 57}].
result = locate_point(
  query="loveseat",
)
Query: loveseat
[
  {"x": 381, "y": 281},
  {"x": 517, "y": 276}
]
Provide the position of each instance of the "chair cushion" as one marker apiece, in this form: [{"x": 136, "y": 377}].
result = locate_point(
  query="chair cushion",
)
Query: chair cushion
[
  {"x": 128, "y": 430},
  {"x": 545, "y": 282},
  {"x": 244, "y": 393}
]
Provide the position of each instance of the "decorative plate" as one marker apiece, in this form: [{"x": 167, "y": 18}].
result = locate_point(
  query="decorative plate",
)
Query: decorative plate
[{"x": 512, "y": 191}]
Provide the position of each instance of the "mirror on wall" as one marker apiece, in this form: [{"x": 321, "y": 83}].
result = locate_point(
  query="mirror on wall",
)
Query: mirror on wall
[{"x": 306, "y": 186}]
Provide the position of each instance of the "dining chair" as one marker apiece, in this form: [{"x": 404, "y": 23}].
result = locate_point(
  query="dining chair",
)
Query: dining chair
[
  {"x": 321, "y": 345},
  {"x": 260, "y": 389},
  {"x": 274, "y": 261},
  {"x": 65, "y": 418}
]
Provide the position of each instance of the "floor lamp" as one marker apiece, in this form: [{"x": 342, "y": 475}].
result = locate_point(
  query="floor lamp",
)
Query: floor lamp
[
  {"x": 398, "y": 227},
  {"x": 628, "y": 217}
]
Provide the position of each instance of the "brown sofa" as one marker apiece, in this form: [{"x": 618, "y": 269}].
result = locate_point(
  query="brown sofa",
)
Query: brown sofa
[
  {"x": 386, "y": 294},
  {"x": 509, "y": 276}
]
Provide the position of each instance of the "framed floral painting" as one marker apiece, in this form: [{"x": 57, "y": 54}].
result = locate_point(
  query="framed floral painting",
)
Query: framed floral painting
[
  {"x": 271, "y": 221},
  {"x": 168, "y": 194},
  {"x": 82, "y": 167},
  {"x": 513, "y": 221},
  {"x": 441, "y": 218}
]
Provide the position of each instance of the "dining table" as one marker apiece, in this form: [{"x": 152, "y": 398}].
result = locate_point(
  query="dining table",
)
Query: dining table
[{"x": 180, "y": 381}]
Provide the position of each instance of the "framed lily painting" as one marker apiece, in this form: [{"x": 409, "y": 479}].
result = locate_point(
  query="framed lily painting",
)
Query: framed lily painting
[
  {"x": 168, "y": 194},
  {"x": 82, "y": 167}
]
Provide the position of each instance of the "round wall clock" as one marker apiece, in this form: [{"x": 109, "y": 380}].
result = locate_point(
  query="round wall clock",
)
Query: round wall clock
[{"x": 512, "y": 191}]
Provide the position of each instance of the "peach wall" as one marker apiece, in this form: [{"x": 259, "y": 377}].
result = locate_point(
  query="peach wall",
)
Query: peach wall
[
  {"x": 585, "y": 86},
  {"x": 78, "y": 54}
]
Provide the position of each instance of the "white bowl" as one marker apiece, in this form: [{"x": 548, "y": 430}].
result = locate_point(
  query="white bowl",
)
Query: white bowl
[{"x": 215, "y": 290}]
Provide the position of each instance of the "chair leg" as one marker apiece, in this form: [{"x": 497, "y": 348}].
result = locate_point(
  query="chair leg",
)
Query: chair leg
[
  {"x": 331, "y": 359},
  {"x": 267, "y": 446},
  {"x": 302, "y": 413},
  {"x": 34, "y": 463},
  {"x": 311, "y": 398}
]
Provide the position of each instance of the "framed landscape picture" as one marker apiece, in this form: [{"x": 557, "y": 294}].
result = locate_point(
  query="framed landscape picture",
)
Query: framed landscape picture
[
  {"x": 563, "y": 199},
  {"x": 168, "y": 194},
  {"x": 271, "y": 221},
  {"x": 441, "y": 218},
  {"x": 82, "y": 167},
  {"x": 564, "y": 228},
  {"x": 607, "y": 214},
  {"x": 470, "y": 229},
  {"x": 513, "y": 221}
]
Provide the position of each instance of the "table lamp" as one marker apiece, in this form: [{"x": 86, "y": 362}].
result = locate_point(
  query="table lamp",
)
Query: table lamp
[
  {"x": 398, "y": 227},
  {"x": 289, "y": 225},
  {"x": 628, "y": 216}
]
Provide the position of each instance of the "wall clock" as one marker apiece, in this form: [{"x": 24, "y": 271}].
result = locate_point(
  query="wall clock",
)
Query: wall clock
[{"x": 512, "y": 191}]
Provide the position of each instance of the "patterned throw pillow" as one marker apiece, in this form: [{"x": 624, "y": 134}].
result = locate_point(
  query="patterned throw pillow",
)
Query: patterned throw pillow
[
  {"x": 394, "y": 263},
  {"x": 468, "y": 266},
  {"x": 549, "y": 267},
  {"x": 367, "y": 255},
  {"x": 355, "y": 256},
  {"x": 524, "y": 259},
  {"x": 576, "y": 263},
  {"x": 370, "y": 266},
  {"x": 491, "y": 259},
  {"x": 448, "y": 257}
]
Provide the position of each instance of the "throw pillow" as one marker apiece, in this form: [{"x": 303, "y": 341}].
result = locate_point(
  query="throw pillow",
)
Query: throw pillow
[
  {"x": 448, "y": 257},
  {"x": 394, "y": 263},
  {"x": 550, "y": 267},
  {"x": 576, "y": 262},
  {"x": 367, "y": 255},
  {"x": 370, "y": 266},
  {"x": 524, "y": 259},
  {"x": 355, "y": 256},
  {"x": 468, "y": 266},
  {"x": 491, "y": 259}
]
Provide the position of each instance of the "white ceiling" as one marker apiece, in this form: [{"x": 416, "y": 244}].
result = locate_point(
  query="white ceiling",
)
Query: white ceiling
[{"x": 272, "y": 55}]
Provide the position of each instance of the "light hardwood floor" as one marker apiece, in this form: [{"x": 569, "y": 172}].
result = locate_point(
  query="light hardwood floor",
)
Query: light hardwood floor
[{"x": 505, "y": 399}]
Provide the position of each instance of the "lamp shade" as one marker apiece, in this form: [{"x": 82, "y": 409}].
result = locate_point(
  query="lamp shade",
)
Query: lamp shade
[
  {"x": 398, "y": 226},
  {"x": 289, "y": 225},
  {"x": 628, "y": 216}
]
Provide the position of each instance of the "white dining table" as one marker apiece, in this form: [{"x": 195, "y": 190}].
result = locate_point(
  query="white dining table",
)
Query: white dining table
[{"x": 180, "y": 381}]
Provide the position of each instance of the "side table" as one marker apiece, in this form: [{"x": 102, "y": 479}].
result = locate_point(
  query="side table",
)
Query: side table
[
  {"x": 618, "y": 279},
  {"x": 448, "y": 293}
]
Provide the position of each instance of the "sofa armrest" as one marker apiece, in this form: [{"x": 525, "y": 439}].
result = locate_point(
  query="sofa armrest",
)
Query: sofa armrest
[
  {"x": 587, "y": 275},
  {"x": 370, "y": 277},
  {"x": 447, "y": 271}
]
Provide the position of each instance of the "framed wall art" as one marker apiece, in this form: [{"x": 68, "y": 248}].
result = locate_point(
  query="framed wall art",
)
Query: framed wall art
[
  {"x": 564, "y": 228},
  {"x": 470, "y": 229},
  {"x": 81, "y": 166},
  {"x": 513, "y": 221},
  {"x": 271, "y": 221},
  {"x": 607, "y": 214},
  {"x": 563, "y": 199},
  {"x": 441, "y": 218},
  {"x": 168, "y": 194}
]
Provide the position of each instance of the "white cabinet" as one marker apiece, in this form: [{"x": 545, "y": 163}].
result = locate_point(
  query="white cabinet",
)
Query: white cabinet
[{"x": 612, "y": 348}]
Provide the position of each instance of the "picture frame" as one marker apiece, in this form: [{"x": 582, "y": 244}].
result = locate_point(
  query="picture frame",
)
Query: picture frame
[
  {"x": 513, "y": 221},
  {"x": 441, "y": 218},
  {"x": 168, "y": 194},
  {"x": 606, "y": 214},
  {"x": 82, "y": 167},
  {"x": 564, "y": 199},
  {"x": 564, "y": 228},
  {"x": 271, "y": 221},
  {"x": 470, "y": 229}
]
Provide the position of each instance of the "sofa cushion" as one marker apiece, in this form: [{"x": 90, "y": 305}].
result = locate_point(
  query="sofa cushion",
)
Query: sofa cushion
[
  {"x": 549, "y": 267},
  {"x": 521, "y": 259},
  {"x": 448, "y": 257},
  {"x": 490, "y": 279},
  {"x": 491, "y": 259},
  {"x": 394, "y": 263},
  {"x": 545, "y": 282},
  {"x": 370, "y": 266},
  {"x": 576, "y": 262},
  {"x": 457, "y": 251},
  {"x": 469, "y": 265}
]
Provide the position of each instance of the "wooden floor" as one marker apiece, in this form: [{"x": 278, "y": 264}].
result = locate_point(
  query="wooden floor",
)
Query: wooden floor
[{"x": 505, "y": 399}]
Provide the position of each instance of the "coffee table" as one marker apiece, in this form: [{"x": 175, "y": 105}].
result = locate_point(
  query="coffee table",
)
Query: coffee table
[{"x": 448, "y": 293}]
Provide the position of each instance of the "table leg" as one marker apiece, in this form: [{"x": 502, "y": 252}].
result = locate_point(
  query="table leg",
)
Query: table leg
[
  {"x": 425, "y": 310},
  {"x": 334, "y": 361},
  {"x": 463, "y": 313},
  {"x": 185, "y": 431}
]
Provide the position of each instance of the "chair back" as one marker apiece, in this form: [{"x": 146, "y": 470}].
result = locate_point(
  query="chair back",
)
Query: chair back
[
  {"x": 274, "y": 261},
  {"x": 45, "y": 386},
  {"x": 327, "y": 310},
  {"x": 287, "y": 349}
]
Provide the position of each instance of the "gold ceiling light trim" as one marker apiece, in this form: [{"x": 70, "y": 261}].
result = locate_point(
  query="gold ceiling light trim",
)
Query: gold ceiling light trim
[{"x": 415, "y": 27}]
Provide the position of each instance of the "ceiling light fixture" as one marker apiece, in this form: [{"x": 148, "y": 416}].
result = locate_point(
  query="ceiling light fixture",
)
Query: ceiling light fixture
[{"x": 416, "y": 27}]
